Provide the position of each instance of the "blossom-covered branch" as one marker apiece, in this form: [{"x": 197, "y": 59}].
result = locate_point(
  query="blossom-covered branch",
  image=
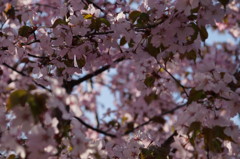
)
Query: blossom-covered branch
[{"x": 54, "y": 79}]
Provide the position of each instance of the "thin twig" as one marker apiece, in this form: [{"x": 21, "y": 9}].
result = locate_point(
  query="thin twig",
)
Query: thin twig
[
  {"x": 132, "y": 130},
  {"x": 152, "y": 119},
  {"x": 96, "y": 6},
  {"x": 183, "y": 87},
  {"x": 95, "y": 33},
  {"x": 97, "y": 119},
  {"x": 3, "y": 24},
  {"x": 29, "y": 43},
  {"x": 23, "y": 74},
  {"x": 46, "y": 5},
  {"x": 39, "y": 57}
]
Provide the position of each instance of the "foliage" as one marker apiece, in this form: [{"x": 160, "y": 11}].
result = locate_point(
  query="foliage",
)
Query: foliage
[{"x": 174, "y": 94}]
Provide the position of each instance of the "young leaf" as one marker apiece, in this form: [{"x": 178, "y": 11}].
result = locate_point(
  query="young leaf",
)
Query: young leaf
[
  {"x": 149, "y": 81},
  {"x": 17, "y": 97},
  {"x": 25, "y": 31},
  {"x": 123, "y": 41},
  {"x": 9, "y": 11},
  {"x": 203, "y": 33},
  {"x": 134, "y": 15},
  {"x": 81, "y": 62},
  {"x": 195, "y": 95},
  {"x": 195, "y": 128},
  {"x": 59, "y": 22},
  {"x": 151, "y": 97}
]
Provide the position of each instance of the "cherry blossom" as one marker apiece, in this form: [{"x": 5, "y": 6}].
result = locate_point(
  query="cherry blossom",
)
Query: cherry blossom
[{"x": 174, "y": 95}]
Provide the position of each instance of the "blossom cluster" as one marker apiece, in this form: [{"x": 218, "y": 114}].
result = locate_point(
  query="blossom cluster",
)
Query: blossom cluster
[{"x": 174, "y": 95}]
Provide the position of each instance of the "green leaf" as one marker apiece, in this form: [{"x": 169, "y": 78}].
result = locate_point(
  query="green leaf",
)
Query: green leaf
[
  {"x": 131, "y": 43},
  {"x": 130, "y": 126},
  {"x": 215, "y": 146},
  {"x": 68, "y": 62},
  {"x": 59, "y": 22},
  {"x": 195, "y": 34},
  {"x": 143, "y": 19},
  {"x": 149, "y": 81},
  {"x": 104, "y": 21},
  {"x": 37, "y": 103},
  {"x": 214, "y": 137},
  {"x": 25, "y": 31},
  {"x": 12, "y": 156},
  {"x": 158, "y": 119},
  {"x": 203, "y": 33},
  {"x": 81, "y": 62},
  {"x": 151, "y": 97},
  {"x": 97, "y": 155},
  {"x": 154, "y": 152},
  {"x": 211, "y": 142},
  {"x": 18, "y": 97},
  {"x": 96, "y": 24},
  {"x": 192, "y": 17},
  {"x": 123, "y": 41},
  {"x": 134, "y": 15},
  {"x": 195, "y": 95},
  {"x": 153, "y": 51},
  {"x": 195, "y": 128},
  {"x": 9, "y": 11},
  {"x": 218, "y": 131},
  {"x": 113, "y": 123},
  {"x": 191, "y": 55},
  {"x": 195, "y": 10}
]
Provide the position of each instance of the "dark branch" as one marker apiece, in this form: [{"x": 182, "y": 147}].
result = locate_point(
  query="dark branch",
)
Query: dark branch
[
  {"x": 29, "y": 43},
  {"x": 100, "y": 33},
  {"x": 95, "y": 129},
  {"x": 132, "y": 130},
  {"x": 68, "y": 85},
  {"x": 152, "y": 119},
  {"x": 95, "y": 5},
  {"x": 15, "y": 70},
  {"x": 39, "y": 57},
  {"x": 93, "y": 33},
  {"x": 23, "y": 74},
  {"x": 22, "y": 44}
]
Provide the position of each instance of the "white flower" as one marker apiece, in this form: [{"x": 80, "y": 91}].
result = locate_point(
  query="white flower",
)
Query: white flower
[{"x": 92, "y": 10}]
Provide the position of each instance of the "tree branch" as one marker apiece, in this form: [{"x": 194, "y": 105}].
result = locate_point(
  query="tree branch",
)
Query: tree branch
[
  {"x": 95, "y": 5},
  {"x": 132, "y": 130},
  {"x": 35, "y": 56},
  {"x": 183, "y": 87},
  {"x": 68, "y": 85},
  {"x": 152, "y": 119},
  {"x": 23, "y": 74},
  {"x": 95, "y": 129},
  {"x": 178, "y": 82}
]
